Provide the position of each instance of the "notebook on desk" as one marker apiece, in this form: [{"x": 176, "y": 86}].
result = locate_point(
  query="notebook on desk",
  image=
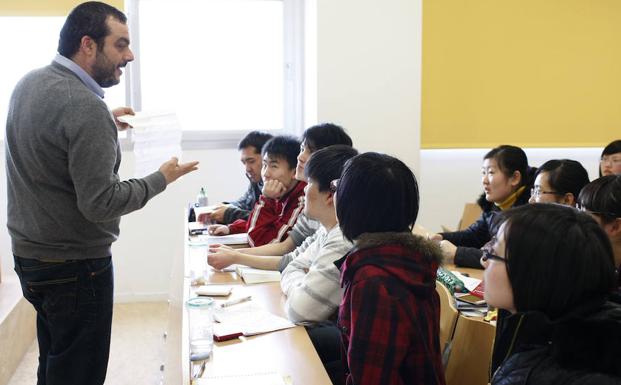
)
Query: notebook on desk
[
  {"x": 231, "y": 239},
  {"x": 251, "y": 275},
  {"x": 246, "y": 320}
]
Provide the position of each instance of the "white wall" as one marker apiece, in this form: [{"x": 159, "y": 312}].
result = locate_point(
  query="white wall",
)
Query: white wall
[
  {"x": 450, "y": 178},
  {"x": 368, "y": 73}
]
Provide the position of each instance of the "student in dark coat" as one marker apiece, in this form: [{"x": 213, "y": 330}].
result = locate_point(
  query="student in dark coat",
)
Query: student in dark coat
[
  {"x": 551, "y": 268},
  {"x": 507, "y": 180}
]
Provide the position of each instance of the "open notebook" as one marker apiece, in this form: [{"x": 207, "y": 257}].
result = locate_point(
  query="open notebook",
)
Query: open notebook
[
  {"x": 231, "y": 239},
  {"x": 251, "y": 275},
  {"x": 246, "y": 319}
]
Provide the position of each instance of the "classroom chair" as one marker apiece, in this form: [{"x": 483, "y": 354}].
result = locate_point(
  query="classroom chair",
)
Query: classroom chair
[
  {"x": 471, "y": 352},
  {"x": 448, "y": 315}
]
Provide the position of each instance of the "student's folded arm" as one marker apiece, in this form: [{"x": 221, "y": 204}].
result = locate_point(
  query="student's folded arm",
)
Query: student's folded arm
[
  {"x": 278, "y": 248},
  {"x": 468, "y": 257},
  {"x": 476, "y": 235},
  {"x": 317, "y": 296},
  {"x": 268, "y": 224},
  {"x": 92, "y": 156},
  {"x": 239, "y": 226},
  {"x": 233, "y": 213},
  {"x": 259, "y": 261},
  {"x": 294, "y": 273},
  {"x": 378, "y": 329}
]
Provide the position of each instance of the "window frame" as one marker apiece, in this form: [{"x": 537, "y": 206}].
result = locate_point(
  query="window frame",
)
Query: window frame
[{"x": 293, "y": 45}]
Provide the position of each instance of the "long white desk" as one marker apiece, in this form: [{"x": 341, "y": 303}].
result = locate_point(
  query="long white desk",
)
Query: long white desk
[{"x": 288, "y": 352}]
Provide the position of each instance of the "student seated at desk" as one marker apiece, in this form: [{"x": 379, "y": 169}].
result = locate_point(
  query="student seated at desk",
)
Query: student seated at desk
[
  {"x": 559, "y": 181},
  {"x": 507, "y": 180},
  {"x": 311, "y": 280},
  {"x": 552, "y": 268},
  {"x": 250, "y": 150},
  {"x": 610, "y": 161},
  {"x": 282, "y": 198},
  {"x": 314, "y": 138},
  {"x": 602, "y": 200},
  {"x": 390, "y": 312}
]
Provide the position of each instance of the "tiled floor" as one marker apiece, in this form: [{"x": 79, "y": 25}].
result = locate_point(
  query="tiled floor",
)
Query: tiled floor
[{"x": 136, "y": 352}]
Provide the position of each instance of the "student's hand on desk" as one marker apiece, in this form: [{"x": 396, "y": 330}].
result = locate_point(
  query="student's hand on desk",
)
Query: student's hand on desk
[
  {"x": 217, "y": 215},
  {"x": 448, "y": 251},
  {"x": 172, "y": 169},
  {"x": 273, "y": 189},
  {"x": 434, "y": 237},
  {"x": 220, "y": 256},
  {"x": 218, "y": 230},
  {"x": 121, "y": 126}
]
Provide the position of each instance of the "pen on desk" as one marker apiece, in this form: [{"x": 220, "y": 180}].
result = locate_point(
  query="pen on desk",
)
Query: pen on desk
[{"x": 236, "y": 301}]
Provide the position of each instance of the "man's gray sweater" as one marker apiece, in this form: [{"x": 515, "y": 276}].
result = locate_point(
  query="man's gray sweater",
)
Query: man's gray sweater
[{"x": 65, "y": 198}]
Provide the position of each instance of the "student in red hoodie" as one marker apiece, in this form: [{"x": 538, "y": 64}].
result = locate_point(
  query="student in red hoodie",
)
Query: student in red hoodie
[
  {"x": 282, "y": 198},
  {"x": 390, "y": 313}
]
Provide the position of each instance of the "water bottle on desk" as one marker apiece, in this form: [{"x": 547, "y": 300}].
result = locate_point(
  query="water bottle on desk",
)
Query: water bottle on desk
[
  {"x": 201, "y": 198},
  {"x": 200, "y": 314}
]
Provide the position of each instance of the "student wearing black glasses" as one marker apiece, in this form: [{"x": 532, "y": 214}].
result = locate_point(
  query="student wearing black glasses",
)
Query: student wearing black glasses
[
  {"x": 551, "y": 269},
  {"x": 559, "y": 181}
]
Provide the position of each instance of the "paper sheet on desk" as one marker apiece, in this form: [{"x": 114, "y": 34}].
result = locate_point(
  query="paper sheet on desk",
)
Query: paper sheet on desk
[
  {"x": 156, "y": 137},
  {"x": 231, "y": 239},
  {"x": 469, "y": 282},
  {"x": 249, "y": 319}
]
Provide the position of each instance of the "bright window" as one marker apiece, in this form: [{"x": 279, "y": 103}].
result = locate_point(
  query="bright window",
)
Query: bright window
[
  {"x": 221, "y": 65},
  {"x": 29, "y": 43}
]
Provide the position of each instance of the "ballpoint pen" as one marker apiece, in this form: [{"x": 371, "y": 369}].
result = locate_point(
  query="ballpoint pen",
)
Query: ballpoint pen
[{"x": 236, "y": 301}]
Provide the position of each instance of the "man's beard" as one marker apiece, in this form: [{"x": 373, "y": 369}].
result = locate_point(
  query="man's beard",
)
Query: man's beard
[{"x": 103, "y": 71}]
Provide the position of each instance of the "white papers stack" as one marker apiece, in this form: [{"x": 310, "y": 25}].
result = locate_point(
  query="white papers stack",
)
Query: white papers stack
[
  {"x": 157, "y": 138},
  {"x": 231, "y": 239}
]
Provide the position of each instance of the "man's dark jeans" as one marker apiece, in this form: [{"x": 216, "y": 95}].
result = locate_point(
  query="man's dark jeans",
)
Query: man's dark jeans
[{"x": 73, "y": 300}]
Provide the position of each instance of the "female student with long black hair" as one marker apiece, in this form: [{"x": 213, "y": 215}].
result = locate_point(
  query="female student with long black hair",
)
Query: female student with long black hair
[
  {"x": 507, "y": 180},
  {"x": 551, "y": 268},
  {"x": 389, "y": 317}
]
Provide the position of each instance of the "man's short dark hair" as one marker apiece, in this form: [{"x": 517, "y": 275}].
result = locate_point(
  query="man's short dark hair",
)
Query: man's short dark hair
[
  {"x": 565, "y": 176},
  {"x": 376, "y": 193},
  {"x": 255, "y": 139},
  {"x": 557, "y": 258},
  {"x": 613, "y": 147},
  {"x": 87, "y": 19},
  {"x": 327, "y": 164},
  {"x": 603, "y": 197},
  {"x": 283, "y": 147},
  {"x": 324, "y": 135}
]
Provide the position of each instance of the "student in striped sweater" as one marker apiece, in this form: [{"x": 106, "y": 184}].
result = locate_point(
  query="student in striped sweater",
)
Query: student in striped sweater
[{"x": 311, "y": 280}]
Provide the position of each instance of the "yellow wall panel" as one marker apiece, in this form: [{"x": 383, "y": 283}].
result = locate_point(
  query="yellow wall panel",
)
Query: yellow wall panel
[
  {"x": 45, "y": 7},
  {"x": 536, "y": 73}
]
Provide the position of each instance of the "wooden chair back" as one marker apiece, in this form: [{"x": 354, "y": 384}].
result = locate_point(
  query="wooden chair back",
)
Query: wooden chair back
[
  {"x": 448, "y": 314},
  {"x": 471, "y": 352}
]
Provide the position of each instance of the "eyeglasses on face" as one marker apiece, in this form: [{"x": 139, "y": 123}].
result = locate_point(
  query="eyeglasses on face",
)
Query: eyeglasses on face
[
  {"x": 493, "y": 257},
  {"x": 537, "y": 192},
  {"x": 610, "y": 160},
  {"x": 333, "y": 185}
]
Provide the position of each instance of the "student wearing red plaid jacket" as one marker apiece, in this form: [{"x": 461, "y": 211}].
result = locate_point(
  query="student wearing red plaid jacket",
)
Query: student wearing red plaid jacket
[
  {"x": 390, "y": 313},
  {"x": 282, "y": 198}
]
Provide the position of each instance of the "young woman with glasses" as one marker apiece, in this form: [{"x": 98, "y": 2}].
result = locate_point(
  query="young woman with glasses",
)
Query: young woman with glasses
[
  {"x": 559, "y": 181},
  {"x": 551, "y": 269}
]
